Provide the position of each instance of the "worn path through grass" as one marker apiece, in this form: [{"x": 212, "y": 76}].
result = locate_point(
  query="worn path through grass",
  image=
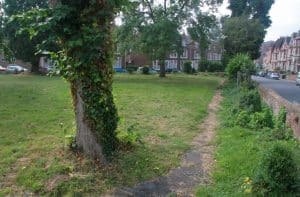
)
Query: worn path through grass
[{"x": 194, "y": 169}]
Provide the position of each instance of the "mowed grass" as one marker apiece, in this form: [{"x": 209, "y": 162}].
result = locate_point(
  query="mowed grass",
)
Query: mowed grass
[{"x": 36, "y": 114}]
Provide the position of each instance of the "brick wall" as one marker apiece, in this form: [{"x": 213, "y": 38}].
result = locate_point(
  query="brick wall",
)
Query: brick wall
[{"x": 276, "y": 102}]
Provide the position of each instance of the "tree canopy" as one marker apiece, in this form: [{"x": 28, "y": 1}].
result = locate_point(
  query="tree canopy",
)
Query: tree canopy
[
  {"x": 156, "y": 25},
  {"x": 20, "y": 43},
  {"x": 256, "y": 9},
  {"x": 200, "y": 31},
  {"x": 244, "y": 31}
]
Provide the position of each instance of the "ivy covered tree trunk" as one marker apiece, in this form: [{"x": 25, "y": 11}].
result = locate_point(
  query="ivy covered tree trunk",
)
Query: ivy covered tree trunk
[
  {"x": 86, "y": 62},
  {"x": 96, "y": 118},
  {"x": 162, "y": 66}
]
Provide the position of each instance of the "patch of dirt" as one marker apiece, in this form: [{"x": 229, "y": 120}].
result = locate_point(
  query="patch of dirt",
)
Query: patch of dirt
[{"x": 195, "y": 167}]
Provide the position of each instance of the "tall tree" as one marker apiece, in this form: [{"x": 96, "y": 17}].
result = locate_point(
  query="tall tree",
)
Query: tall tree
[
  {"x": 158, "y": 24},
  {"x": 83, "y": 31},
  {"x": 244, "y": 31},
  {"x": 21, "y": 44},
  {"x": 200, "y": 31},
  {"x": 243, "y": 35},
  {"x": 256, "y": 9}
]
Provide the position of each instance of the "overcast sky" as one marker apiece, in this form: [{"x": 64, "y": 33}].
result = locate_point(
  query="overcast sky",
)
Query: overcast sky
[{"x": 285, "y": 16}]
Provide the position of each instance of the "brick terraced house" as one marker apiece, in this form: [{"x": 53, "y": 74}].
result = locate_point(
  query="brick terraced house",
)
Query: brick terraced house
[{"x": 284, "y": 54}]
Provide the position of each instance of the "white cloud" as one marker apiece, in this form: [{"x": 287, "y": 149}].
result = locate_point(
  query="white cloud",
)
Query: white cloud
[{"x": 285, "y": 16}]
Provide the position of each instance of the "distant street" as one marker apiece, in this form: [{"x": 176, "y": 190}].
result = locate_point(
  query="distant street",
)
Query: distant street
[{"x": 285, "y": 88}]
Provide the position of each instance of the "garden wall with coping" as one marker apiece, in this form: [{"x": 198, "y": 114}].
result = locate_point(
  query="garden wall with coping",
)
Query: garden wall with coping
[{"x": 276, "y": 102}]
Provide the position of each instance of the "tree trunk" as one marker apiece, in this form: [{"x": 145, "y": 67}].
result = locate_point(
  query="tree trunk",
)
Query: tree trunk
[
  {"x": 178, "y": 62},
  {"x": 35, "y": 66},
  {"x": 162, "y": 66},
  {"x": 85, "y": 138}
]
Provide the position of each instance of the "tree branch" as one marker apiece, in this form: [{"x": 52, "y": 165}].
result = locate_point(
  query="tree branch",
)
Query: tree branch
[{"x": 151, "y": 10}]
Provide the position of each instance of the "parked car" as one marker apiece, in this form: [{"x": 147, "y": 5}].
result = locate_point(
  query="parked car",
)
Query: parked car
[
  {"x": 298, "y": 79},
  {"x": 274, "y": 76},
  {"x": 172, "y": 70},
  {"x": 261, "y": 74},
  {"x": 120, "y": 70},
  {"x": 152, "y": 71},
  {"x": 14, "y": 68},
  {"x": 2, "y": 69}
]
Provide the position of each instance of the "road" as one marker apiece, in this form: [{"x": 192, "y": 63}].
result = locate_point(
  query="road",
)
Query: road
[{"x": 285, "y": 88}]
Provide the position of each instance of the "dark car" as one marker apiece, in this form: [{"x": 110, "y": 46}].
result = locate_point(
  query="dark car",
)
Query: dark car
[{"x": 171, "y": 70}]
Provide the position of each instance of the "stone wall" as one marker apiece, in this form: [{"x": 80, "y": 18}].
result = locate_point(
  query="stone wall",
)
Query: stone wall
[{"x": 276, "y": 102}]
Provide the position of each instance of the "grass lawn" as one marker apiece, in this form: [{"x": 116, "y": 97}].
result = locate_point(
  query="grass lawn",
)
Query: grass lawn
[
  {"x": 239, "y": 151},
  {"x": 36, "y": 114}
]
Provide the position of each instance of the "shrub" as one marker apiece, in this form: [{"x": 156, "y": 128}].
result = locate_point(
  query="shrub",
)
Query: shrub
[
  {"x": 243, "y": 119},
  {"x": 276, "y": 173},
  {"x": 129, "y": 137},
  {"x": 145, "y": 70},
  {"x": 250, "y": 101},
  {"x": 240, "y": 63},
  {"x": 187, "y": 67},
  {"x": 130, "y": 70},
  {"x": 262, "y": 119},
  {"x": 281, "y": 118},
  {"x": 202, "y": 66},
  {"x": 281, "y": 132},
  {"x": 210, "y": 66},
  {"x": 215, "y": 67}
]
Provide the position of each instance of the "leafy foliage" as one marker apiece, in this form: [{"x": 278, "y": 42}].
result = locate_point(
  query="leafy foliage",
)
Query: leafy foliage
[
  {"x": 243, "y": 35},
  {"x": 154, "y": 27},
  {"x": 145, "y": 70},
  {"x": 263, "y": 119},
  {"x": 200, "y": 31},
  {"x": 277, "y": 172},
  {"x": 240, "y": 63},
  {"x": 210, "y": 66},
  {"x": 187, "y": 67},
  {"x": 82, "y": 29},
  {"x": 256, "y": 8},
  {"x": 250, "y": 101},
  {"x": 22, "y": 45}
]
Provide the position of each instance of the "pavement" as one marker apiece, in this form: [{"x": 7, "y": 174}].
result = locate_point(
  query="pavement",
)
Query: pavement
[{"x": 285, "y": 88}]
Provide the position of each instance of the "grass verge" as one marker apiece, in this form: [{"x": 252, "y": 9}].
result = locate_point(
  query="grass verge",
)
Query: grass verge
[{"x": 239, "y": 151}]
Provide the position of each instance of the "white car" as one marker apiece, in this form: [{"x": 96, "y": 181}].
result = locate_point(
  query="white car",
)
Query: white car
[
  {"x": 2, "y": 69},
  {"x": 298, "y": 79},
  {"x": 14, "y": 68},
  {"x": 274, "y": 76}
]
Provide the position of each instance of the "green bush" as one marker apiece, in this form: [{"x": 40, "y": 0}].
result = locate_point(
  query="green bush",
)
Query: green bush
[
  {"x": 281, "y": 118},
  {"x": 240, "y": 63},
  {"x": 133, "y": 67},
  {"x": 210, "y": 66},
  {"x": 130, "y": 70},
  {"x": 243, "y": 119},
  {"x": 187, "y": 67},
  {"x": 281, "y": 131},
  {"x": 145, "y": 70},
  {"x": 277, "y": 172},
  {"x": 262, "y": 119},
  {"x": 250, "y": 101},
  {"x": 202, "y": 66}
]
